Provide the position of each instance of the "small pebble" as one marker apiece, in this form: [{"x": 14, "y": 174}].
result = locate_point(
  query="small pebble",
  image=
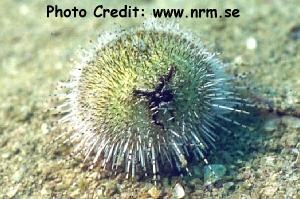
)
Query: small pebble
[
  {"x": 178, "y": 191},
  {"x": 271, "y": 124},
  {"x": 291, "y": 122},
  {"x": 238, "y": 60},
  {"x": 251, "y": 43},
  {"x": 154, "y": 192},
  {"x": 228, "y": 185},
  {"x": 6, "y": 155},
  {"x": 44, "y": 128},
  {"x": 270, "y": 191}
]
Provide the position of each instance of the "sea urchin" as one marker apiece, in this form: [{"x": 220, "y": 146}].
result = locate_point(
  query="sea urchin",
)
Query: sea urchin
[{"x": 144, "y": 99}]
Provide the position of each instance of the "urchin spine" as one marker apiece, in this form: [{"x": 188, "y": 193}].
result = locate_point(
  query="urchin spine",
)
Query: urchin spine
[{"x": 184, "y": 101}]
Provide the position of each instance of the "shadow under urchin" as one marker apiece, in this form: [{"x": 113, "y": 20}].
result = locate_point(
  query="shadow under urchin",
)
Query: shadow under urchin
[{"x": 147, "y": 100}]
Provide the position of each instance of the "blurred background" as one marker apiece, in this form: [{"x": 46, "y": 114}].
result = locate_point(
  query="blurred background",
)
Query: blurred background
[{"x": 262, "y": 46}]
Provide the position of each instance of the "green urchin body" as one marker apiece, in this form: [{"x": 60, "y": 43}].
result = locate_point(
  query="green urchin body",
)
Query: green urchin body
[{"x": 122, "y": 130}]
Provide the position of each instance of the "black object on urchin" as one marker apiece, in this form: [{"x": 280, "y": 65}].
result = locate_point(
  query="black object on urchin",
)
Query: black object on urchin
[{"x": 144, "y": 99}]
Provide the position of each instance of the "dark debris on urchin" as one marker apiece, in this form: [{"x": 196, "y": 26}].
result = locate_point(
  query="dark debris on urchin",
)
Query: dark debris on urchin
[{"x": 146, "y": 99}]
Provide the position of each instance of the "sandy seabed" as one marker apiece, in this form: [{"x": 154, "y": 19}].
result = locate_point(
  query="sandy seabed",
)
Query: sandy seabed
[{"x": 262, "y": 45}]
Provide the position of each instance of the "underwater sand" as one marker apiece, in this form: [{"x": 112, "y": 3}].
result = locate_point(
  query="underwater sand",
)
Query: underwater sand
[{"x": 35, "y": 54}]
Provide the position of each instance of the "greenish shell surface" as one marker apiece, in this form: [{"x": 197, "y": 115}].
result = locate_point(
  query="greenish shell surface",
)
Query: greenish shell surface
[{"x": 121, "y": 130}]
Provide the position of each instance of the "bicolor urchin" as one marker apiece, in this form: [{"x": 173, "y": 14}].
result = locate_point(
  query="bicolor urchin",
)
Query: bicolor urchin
[{"x": 144, "y": 99}]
